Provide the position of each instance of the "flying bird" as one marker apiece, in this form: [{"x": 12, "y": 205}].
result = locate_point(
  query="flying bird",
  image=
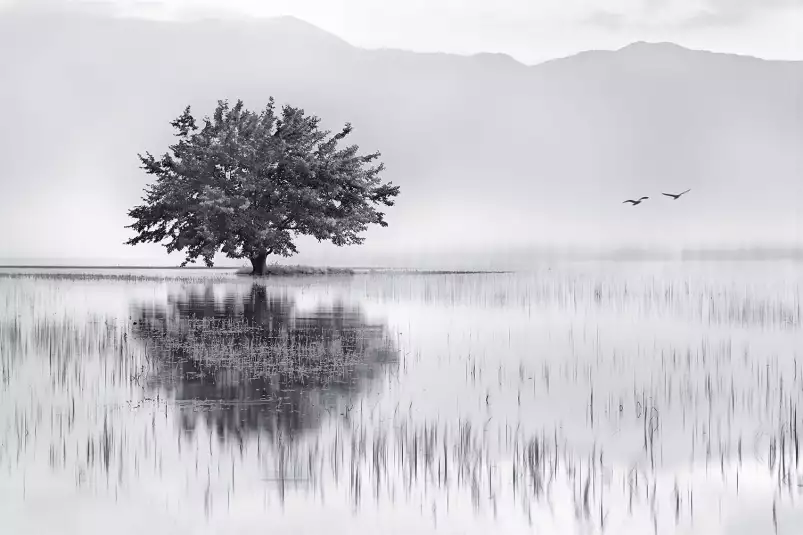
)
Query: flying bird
[
  {"x": 676, "y": 196},
  {"x": 634, "y": 203}
]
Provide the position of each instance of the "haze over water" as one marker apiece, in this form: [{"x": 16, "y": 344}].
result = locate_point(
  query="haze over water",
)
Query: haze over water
[
  {"x": 571, "y": 398},
  {"x": 637, "y": 371},
  {"x": 497, "y": 160}
]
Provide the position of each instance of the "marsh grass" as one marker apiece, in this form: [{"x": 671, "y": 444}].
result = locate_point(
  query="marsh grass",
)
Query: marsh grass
[
  {"x": 370, "y": 458},
  {"x": 173, "y": 275},
  {"x": 299, "y": 270},
  {"x": 296, "y": 270},
  {"x": 717, "y": 404}
]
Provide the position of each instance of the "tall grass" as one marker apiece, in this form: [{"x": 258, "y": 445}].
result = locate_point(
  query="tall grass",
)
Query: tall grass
[{"x": 567, "y": 423}]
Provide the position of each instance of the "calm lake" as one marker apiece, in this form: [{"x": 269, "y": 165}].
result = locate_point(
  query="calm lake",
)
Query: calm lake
[{"x": 587, "y": 397}]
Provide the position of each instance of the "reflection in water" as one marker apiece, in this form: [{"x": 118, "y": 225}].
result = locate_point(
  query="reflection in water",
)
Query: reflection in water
[
  {"x": 589, "y": 402},
  {"x": 254, "y": 361}
]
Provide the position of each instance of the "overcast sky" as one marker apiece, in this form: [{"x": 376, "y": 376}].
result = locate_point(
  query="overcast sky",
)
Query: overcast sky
[{"x": 529, "y": 30}]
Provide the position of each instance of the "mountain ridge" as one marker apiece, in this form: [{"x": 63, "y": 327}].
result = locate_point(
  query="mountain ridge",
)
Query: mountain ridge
[{"x": 228, "y": 19}]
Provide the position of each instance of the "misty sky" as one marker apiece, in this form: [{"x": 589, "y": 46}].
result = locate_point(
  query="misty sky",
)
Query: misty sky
[
  {"x": 546, "y": 164},
  {"x": 529, "y": 30}
]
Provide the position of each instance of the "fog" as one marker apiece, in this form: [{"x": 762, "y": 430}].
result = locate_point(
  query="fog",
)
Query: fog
[{"x": 497, "y": 161}]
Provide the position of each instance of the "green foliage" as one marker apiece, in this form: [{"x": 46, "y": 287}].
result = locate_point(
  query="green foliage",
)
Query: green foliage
[{"x": 247, "y": 184}]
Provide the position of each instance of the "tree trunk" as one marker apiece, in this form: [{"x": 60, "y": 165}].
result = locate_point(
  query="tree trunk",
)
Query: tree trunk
[{"x": 258, "y": 264}]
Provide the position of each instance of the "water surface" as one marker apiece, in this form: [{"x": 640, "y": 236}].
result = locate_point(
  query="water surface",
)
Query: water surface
[{"x": 573, "y": 398}]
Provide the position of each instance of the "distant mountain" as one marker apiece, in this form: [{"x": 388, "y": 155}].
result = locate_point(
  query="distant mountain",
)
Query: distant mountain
[{"x": 490, "y": 153}]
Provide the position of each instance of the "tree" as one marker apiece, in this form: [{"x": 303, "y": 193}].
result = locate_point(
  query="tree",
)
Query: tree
[{"x": 246, "y": 184}]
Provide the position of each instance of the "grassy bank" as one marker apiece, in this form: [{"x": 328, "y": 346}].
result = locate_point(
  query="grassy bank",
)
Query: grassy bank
[{"x": 278, "y": 269}]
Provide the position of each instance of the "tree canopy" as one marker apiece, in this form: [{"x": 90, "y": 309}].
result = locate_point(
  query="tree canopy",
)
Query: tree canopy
[{"x": 246, "y": 184}]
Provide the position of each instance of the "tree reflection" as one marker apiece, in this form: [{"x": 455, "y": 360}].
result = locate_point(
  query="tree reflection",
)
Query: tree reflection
[{"x": 228, "y": 387}]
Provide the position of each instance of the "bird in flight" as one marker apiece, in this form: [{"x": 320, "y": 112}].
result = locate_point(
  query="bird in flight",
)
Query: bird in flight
[
  {"x": 634, "y": 203},
  {"x": 676, "y": 196}
]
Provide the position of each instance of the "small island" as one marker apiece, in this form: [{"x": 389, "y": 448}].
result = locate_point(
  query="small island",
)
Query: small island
[{"x": 289, "y": 271}]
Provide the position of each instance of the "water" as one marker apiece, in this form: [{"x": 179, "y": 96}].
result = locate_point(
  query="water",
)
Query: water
[{"x": 573, "y": 398}]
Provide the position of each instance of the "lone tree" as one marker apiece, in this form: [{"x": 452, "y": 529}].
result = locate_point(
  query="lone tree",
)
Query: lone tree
[{"x": 247, "y": 184}]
